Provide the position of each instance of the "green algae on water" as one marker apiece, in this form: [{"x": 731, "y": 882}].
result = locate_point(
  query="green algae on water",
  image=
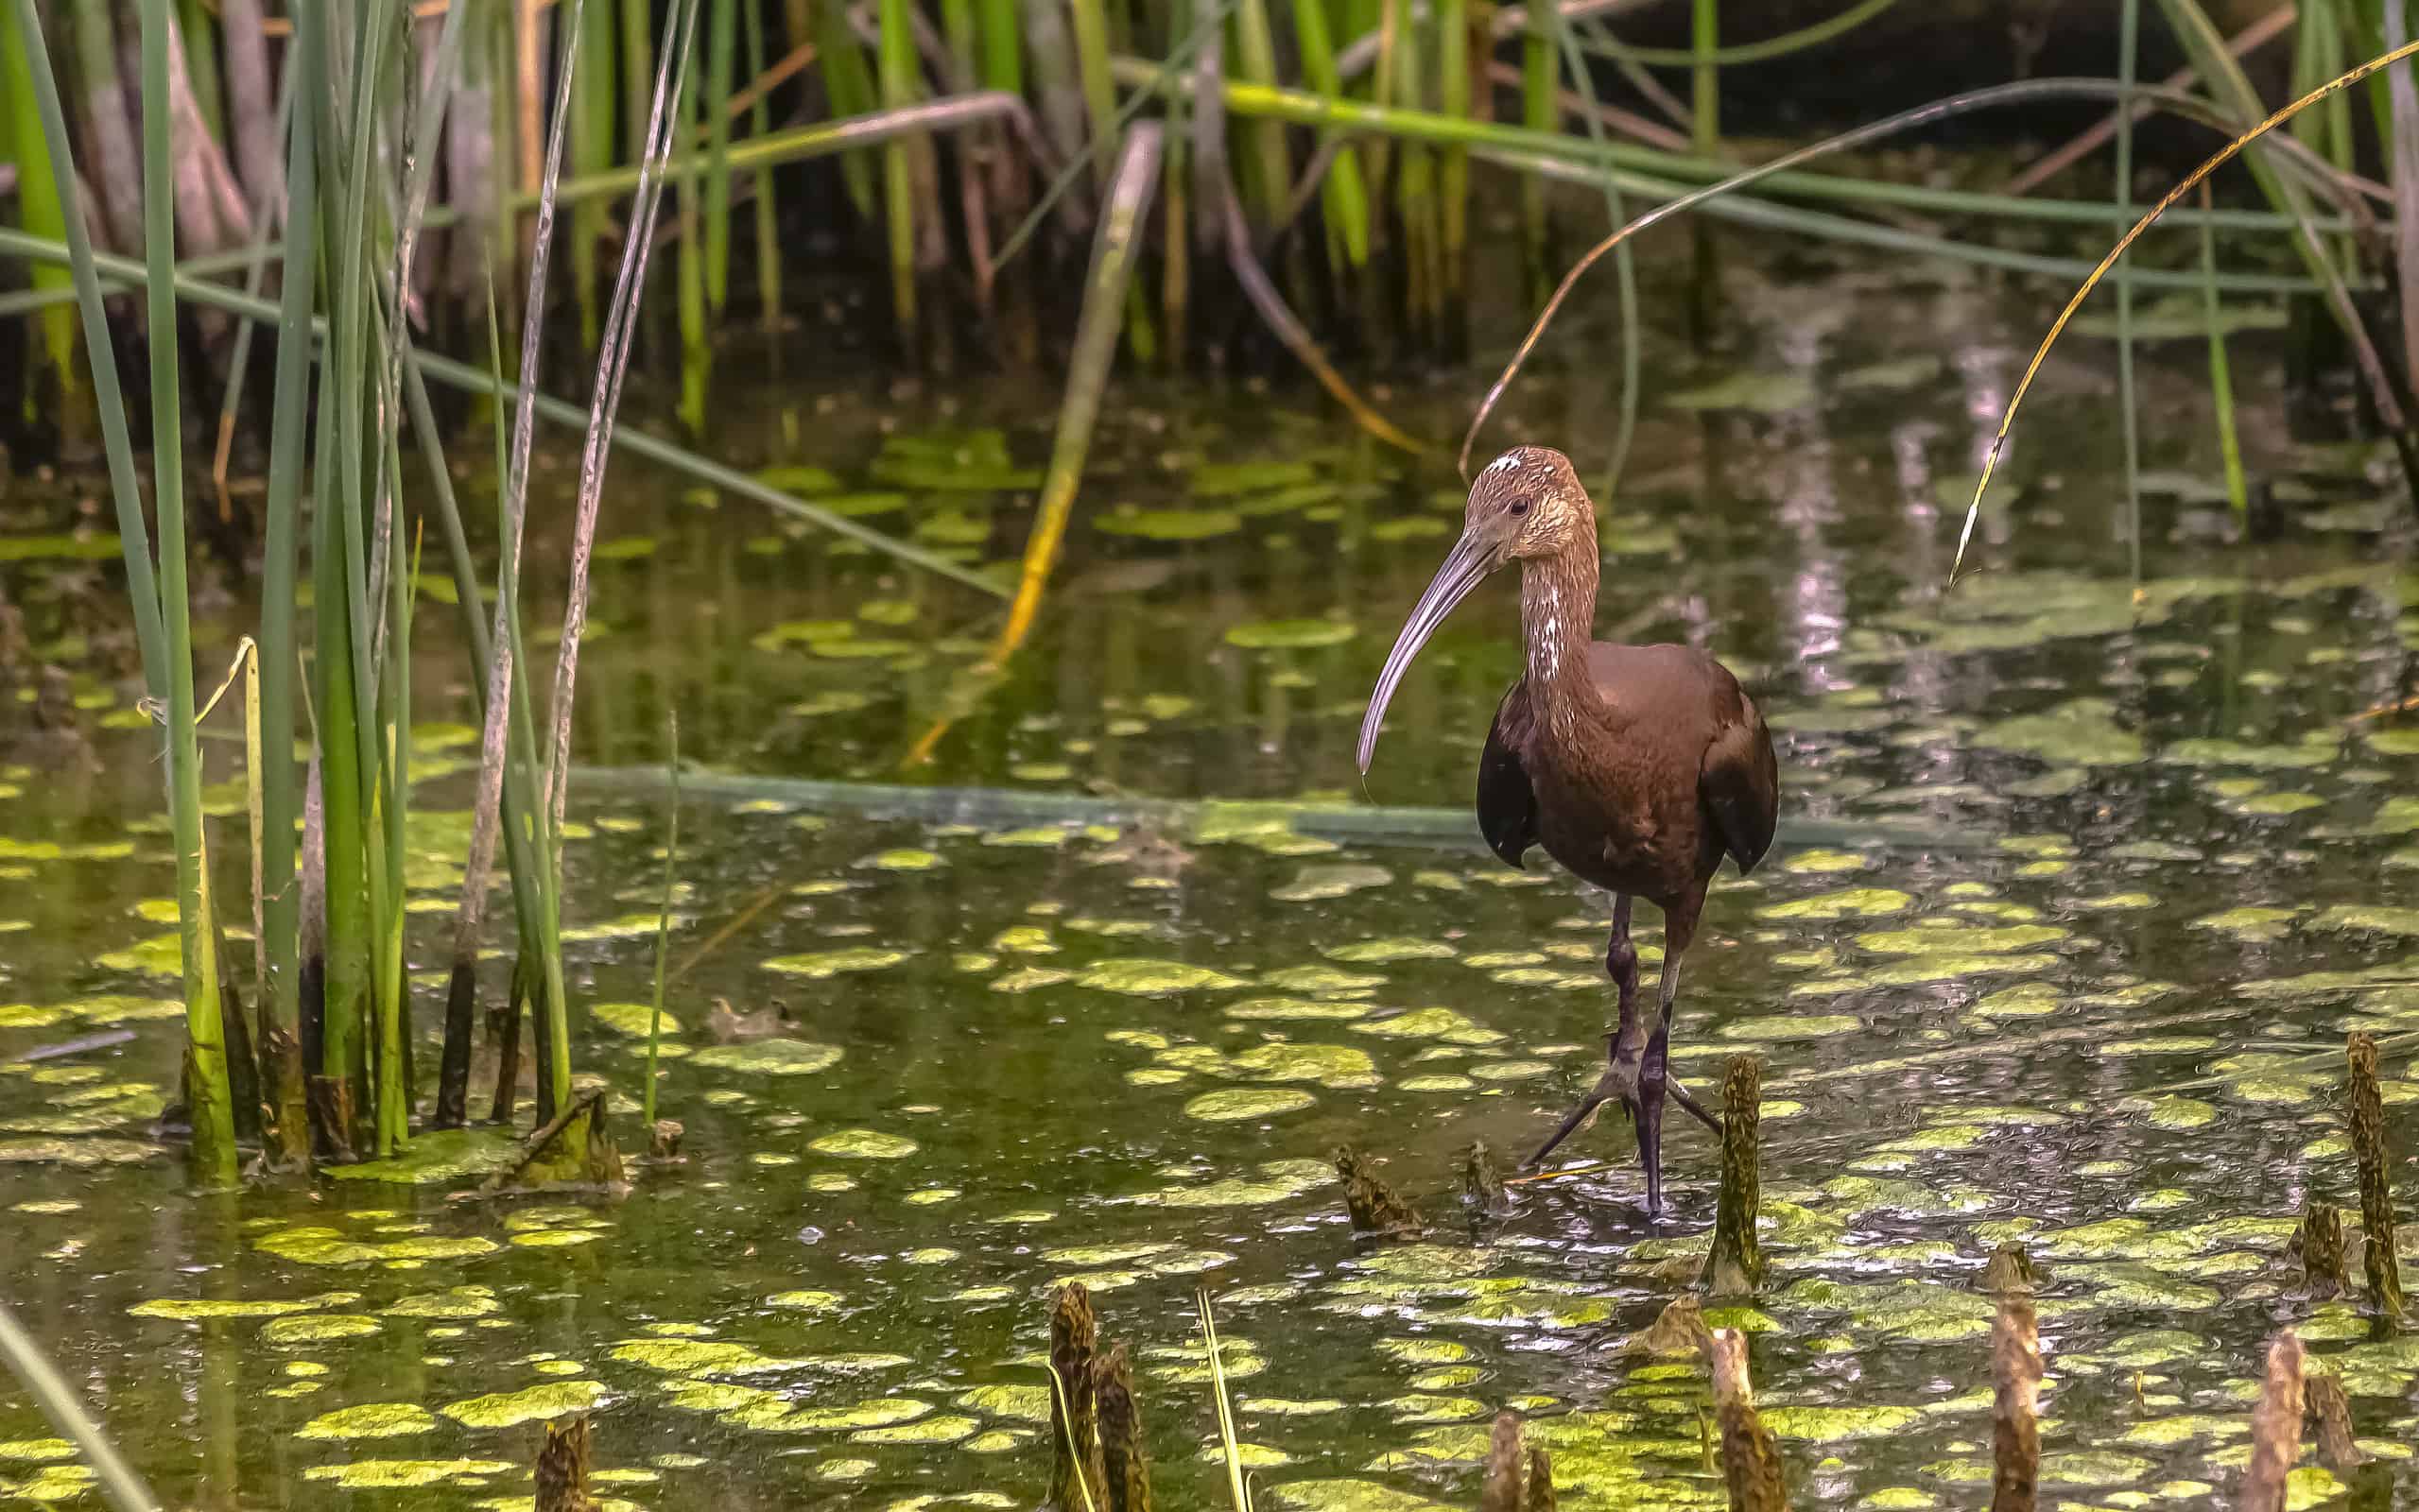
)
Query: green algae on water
[
  {"x": 1248, "y": 1102},
  {"x": 864, "y": 1144},
  {"x": 317, "y": 1328},
  {"x": 1139, "y": 976},
  {"x": 508, "y": 1409},
  {"x": 1302, "y": 634},
  {"x": 312, "y": 1246},
  {"x": 820, "y": 964},
  {"x": 410, "y": 1475},
  {"x": 770, "y": 1058},
  {"x": 384, "y": 1419},
  {"x": 438, "y": 1155}
]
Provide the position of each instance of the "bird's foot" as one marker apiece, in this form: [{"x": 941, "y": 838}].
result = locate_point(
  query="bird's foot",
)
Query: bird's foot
[
  {"x": 1619, "y": 1084},
  {"x": 1639, "y": 1082}
]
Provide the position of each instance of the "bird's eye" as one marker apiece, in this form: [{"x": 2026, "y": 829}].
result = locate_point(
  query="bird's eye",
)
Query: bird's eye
[{"x": 1520, "y": 506}]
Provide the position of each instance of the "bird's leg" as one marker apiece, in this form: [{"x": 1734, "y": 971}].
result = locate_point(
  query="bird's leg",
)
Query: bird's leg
[
  {"x": 1625, "y": 1047},
  {"x": 1658, "y": 1052}
]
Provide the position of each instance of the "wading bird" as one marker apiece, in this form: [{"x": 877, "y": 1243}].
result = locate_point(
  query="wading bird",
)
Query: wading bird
[{"x": 1638, "y": 767}]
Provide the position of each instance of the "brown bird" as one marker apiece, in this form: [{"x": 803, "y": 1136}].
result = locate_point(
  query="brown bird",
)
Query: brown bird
[{"x": 1638, "y": 767}]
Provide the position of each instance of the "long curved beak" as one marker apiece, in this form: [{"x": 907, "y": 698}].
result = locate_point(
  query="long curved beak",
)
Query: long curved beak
[{"x": 1465, "y": 567}]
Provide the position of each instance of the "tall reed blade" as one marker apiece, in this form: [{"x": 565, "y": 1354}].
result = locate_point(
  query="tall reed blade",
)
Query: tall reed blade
[
  {"x": 592, "y": 151},
  {"x": 1453, "y": 171},
  {"x": 898, "y": 72},
  {"x": 1266, "y": 170},
  {"x": 2221, "y": 384},
  {"x": 721, "y": 55},
  {"x": 207, "y": 1089},
  {"x": 281, "y": 1037},
  {"x": 1343, "y": 194}
]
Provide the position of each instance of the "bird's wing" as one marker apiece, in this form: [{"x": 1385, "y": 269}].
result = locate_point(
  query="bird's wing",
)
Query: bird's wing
[
  {"x": 1740, "y": 780},
  {"x": 1507, "y": 803}
]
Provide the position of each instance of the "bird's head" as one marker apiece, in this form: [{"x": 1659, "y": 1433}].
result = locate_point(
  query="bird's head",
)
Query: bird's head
[{"x": 1524, "y": 506}]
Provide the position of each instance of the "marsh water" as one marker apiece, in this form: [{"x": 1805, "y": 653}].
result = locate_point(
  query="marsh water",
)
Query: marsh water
[{"x": 2080, "y": 885}]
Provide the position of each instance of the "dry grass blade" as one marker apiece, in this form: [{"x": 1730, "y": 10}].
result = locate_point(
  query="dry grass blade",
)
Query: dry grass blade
[
  {"x": 2185, "y": 186},
  {"x": 613, "y": 363},
  {"x": 1229, "y": 1450},
  {"x": 50, "y": 1391}
]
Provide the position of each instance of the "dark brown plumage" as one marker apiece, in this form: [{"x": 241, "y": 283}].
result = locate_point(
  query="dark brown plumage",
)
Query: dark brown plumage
[{"x": 1638, "y": 767}]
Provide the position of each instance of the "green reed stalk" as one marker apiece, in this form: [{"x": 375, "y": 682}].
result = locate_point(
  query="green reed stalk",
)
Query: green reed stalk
[
  {"x": 2129, "y": 30},
  {"x": 361, "y": 1002},
  {"x": 1344, "y": 194},
  {"x": 721, "y": 58},
  {"x": 897, "y": 58},
  {"x": 2221, "y": 75},
  {"x": 637, "y": 18},
  {"x": 1705, "y": 98},
  {"x": 201, "y": 37},
  {"x": 1453, "y": 166},
  {"x": 208, "y": 1091},
  {"x": 696, "y": 354},
  {"x": 1003, "y": 46},
  {"x": 281, "y": 1037},
  {"x": 849, "y": 85},
  {"x": 1176, "y": 229},
  {"x": 2222, "y": 386},
  {"x": 1625, "y": 278},
  {"x": 1539, "y": 78},
  {"x": 767, "y": 226},
  {"x": 394, "y": 733},
  {"x": 38, "y": 202},
  {"x": 1090, "y": 21},
  {"x": 664, "y": 917},
  {"x": 1415, "y": 180},
  {"x": 1266, "y": 168},
  {"x": 592, "y": 151},
  {"x": 1753, "y": 52}
]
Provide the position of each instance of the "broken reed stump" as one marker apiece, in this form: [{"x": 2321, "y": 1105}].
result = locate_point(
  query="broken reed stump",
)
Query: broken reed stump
[
  {"x": 1076, "y": 1475},
  {"x": 1540, "y": 1495},
  {"x": 1482, "y": 1188},
  {"x": 562, "y": 1469},
  {"x": 1375, "y": 1207},
  {"x": 2376, "y": 1191},
  {"x": 2319, "y": 1244},
  {"x": 1125, "y": 1468},
  {"x": 1520, "y": 1476},
  {"x": 2010, "y": 1269},
  {"x": 1679, "y": 1328},
  {"x": 1736, "y": 1264},
  {"x": 1750, "y": 1464},
  {"x": 2015, "y": 1382},
  {"x": 663, "y": 1140},
  {"x": 1507, "y": 1466},
  {"x": 2276, "y": 1422},
  {"x": 2330, "y": 1416}
]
